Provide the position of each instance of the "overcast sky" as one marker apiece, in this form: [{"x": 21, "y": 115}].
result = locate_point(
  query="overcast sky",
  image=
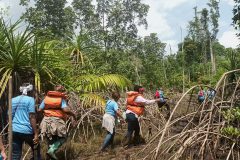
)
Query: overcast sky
[{"x": 166, "y": 17}]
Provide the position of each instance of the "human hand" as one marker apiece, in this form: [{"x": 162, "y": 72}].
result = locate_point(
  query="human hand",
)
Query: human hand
[
  {"x": 35, "y": 139},
  {"x": 122, "y": 121},
  {"x": 74, "y": 123},
  {"x": 4, "y": 156}
]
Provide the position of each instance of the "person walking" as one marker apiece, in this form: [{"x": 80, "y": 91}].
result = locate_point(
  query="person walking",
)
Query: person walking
[
  {"x": 3, "y": 155},
  {"x": 109, "y": 120},
  {"x": 211, "y": 93},
  {"x": 163, "y": 101},
  {"x": 53, "y": 125},
  {"x": 135, "y": 108},
  {"x": 201, "y": 95},
  {"x": 24, "y": 123}
]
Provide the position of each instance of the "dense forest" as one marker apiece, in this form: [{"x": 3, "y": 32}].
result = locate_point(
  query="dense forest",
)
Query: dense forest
[
  {"x": 94, "y": 47},
  {"x": 102, "y": 38}
]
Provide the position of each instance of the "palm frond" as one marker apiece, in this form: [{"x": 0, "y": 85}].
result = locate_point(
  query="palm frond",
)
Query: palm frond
[
  {"x": 37, "y": 82},
  {"x": 4, "y": 81},
  {"x": 92, "y": 99},
  {"x": 14, "y": 53},
  {"x": 105, "y": 82}
]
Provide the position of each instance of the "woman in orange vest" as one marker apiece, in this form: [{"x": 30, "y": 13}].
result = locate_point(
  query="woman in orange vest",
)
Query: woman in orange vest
[
  {"x": 135, "y": 108},
  {"x": 53, "y": 126}
]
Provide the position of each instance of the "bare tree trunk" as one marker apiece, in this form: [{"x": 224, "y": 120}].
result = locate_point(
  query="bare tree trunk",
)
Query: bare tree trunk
[
  {"x": 212, "y": 58},
  {"x": 183, "y": 63},
  {"x": 10, "y": 118},
  {"x": 183, "y": 89},
  {"x": 205, "y": 58},
  {"x": 138, "y": 76},
  {"x": 164, "y": 71}
]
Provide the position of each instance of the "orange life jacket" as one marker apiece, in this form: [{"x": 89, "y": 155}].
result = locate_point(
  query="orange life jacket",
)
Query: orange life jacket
[
  {"x": 132, "y": 105},
  {"x": 53, "y": 104}
]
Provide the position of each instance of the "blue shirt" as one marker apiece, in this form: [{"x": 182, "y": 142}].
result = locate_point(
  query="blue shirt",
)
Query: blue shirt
[
  {"x": 211, "y": 94},
  {"x": 111, "y": 108},
  {"x": 64, "y": 104},
  {"x": 161, "y": 95},
  {"x": 22, "y": 106}
]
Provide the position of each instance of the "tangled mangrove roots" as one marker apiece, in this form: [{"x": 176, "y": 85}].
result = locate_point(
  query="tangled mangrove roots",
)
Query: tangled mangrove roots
[{"x": 194, "y": 131}]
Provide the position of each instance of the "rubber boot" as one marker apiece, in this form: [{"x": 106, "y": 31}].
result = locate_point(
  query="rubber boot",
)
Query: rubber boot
[{"x": 54, "y": 147}]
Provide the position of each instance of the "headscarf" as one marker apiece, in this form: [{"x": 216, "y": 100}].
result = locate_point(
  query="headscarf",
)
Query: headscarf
[{"x": 26, "y": 88}]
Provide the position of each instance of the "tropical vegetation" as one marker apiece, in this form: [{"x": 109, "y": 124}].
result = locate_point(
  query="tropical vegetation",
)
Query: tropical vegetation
[{"x": 94, "y": 47}]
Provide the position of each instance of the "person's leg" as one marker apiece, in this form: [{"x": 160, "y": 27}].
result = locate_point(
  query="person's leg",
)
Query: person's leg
[
  {"x": 160, "y": 104},
  {"x": 28, "y": 138},
  {"x": 164, "y": 103},
  {"x": 55, "y": 146},
  {"x": 53, "y": 139},
  {"x": 17, "y": 146},
  {"x": 168, "y": 110},
  {"x": 130, "y": 121},
  {"x": 108, "y": 139},
  {"x": 112, "y": 138},
  {"x": 136, "y": 132}
]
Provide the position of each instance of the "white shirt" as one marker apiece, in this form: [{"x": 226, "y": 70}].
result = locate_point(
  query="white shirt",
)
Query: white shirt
[{"x": 140, "y": 99}]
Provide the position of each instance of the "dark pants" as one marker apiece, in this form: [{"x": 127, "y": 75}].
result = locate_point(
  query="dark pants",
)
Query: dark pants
[
  {"x": 164, "y": 103},
  {"x": 108, "y": 140},
  {"x": 200, "y": 99},
  {"x": 18, "y": 139},
  {"x": 133, "y": 126}
]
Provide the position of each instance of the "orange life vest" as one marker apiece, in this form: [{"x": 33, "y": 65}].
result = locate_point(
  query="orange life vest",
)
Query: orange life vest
[
  {"x": 53, "y": 104},
  {"x": 132, "y": 105}
]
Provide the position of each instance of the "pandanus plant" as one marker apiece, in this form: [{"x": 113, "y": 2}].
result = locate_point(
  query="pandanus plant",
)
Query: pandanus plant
[
  {"x": 22, "y": 55},
  {"x": 13, "y": 53}
]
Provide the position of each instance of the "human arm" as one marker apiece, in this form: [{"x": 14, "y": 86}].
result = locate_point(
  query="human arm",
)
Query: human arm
[
  {"x": 144, "y": 101},
  {"x": 119, "y": 114},
  {"x": 41, "y": 107},
  {"x": 1, "y": 144},
  {"x": 69, "y": 112},
  {"x": 33, "y": 123},
  {"x": 33, "y": 120},
  {"x": 4, "y": 156}
]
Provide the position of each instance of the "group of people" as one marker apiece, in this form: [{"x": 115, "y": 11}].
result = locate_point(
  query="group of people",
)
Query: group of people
[
  {"x": 135, "y": 106},
  {"x": 202, "y": 94},
  {"x": 163, "y": 101},
  {"x": 55, "y": 110},
  {"x": 24, "y": 122}
]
